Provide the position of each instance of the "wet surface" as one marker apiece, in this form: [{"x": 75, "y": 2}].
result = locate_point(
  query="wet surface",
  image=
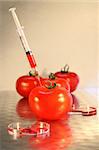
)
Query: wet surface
[{"x": 74, "y": 133}]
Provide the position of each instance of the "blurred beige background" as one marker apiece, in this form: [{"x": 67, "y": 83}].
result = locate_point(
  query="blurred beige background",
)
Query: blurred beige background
[{"x": 58, "y": 33}]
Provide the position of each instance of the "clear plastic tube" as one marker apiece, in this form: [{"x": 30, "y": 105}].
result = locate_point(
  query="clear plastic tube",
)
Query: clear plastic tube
[
  {"x": 35, "y": 129},
  {"x": 24, "y": 42}
]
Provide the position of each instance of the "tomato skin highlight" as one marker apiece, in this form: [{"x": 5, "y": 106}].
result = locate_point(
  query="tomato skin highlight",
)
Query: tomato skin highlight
[
  {"x": 25, "y": 84},
  {"x": 50, "y": 104},
  {"x": 72, "y": 78}
]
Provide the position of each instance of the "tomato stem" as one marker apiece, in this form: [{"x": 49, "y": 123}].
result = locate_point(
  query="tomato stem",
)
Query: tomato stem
[
  {"x": 65, "y": 69},
  {"x": 51, "y": 86},
  {"x": 33, "y": 74},
  {"x": 52, "y": 76}
]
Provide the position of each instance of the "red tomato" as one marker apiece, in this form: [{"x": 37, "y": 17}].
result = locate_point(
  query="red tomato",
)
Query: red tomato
[
  {"x": 59, "y": 81},
  {"x": 72, "y": 77},
  {"x": 25, "y": 84},
  {"x": 50, "y": 104}
]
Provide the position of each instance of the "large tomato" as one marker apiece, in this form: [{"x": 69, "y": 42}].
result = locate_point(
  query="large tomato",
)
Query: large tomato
[
  {"x": 50, "y": 103},
  {"x": 72, "y": 77},
  {"x": 25, "y": 84},
  {"x": 59, "y": 81}
]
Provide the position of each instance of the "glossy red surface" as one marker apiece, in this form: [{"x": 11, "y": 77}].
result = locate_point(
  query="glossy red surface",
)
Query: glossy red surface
[
  {"x": 71, "y": 77},
  {"x": 50, "y": 104},
  {"x": 25, "y": 84}
]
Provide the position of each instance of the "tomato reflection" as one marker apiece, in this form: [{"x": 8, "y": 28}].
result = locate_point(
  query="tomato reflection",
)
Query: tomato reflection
[
  {"x": 75, "y": 101},
  {"x": 60, "y": 137},
  {"x": 23, "y": 109}
]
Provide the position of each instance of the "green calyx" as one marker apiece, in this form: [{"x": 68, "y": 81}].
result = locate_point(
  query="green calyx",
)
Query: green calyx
[
  {"x": 52, "y": 76},
  {"x": 33, "y": 73},
  {"x": 51, "y": 86},
  {"x": 65, "y": 69}
]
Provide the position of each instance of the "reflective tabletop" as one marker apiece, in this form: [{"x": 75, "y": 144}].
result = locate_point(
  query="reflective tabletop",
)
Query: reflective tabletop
[{"x": 75, "y": 132}]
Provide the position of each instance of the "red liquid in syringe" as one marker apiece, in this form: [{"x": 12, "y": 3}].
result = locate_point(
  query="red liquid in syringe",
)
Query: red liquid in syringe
[{"x": 31, "y": 59}]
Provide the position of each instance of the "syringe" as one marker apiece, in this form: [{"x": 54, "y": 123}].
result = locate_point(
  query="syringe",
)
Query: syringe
[{"x": 24, "y": 42}]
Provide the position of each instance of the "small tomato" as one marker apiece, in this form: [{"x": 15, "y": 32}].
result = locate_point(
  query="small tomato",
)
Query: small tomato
[
  {"x": 25, "y": 84},
  {"x": 72, "y": 77}
]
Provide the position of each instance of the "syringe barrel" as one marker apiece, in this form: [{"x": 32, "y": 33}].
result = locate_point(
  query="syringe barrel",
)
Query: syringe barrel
[
  {"x": 23, "y": 39},
  {"x": 31, "y": 59}
]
